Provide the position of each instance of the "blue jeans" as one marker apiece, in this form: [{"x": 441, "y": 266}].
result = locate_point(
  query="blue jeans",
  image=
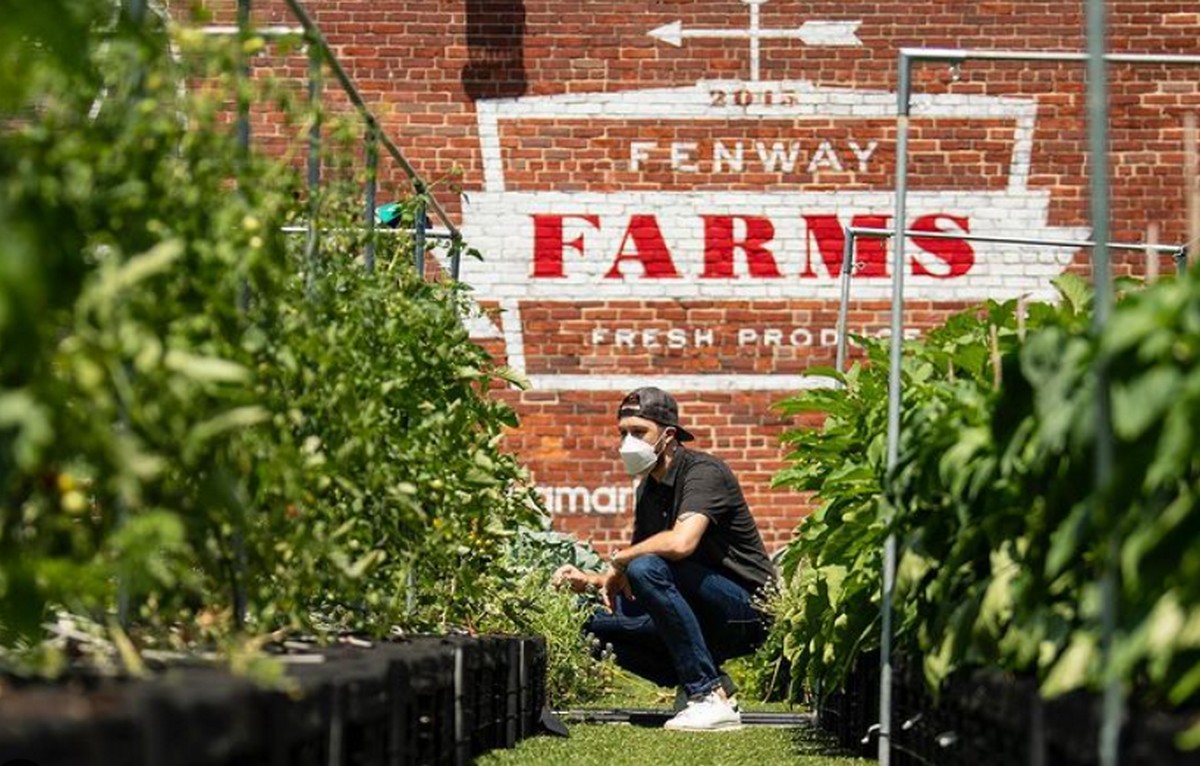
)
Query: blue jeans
[{"x": 684, "y": 612}]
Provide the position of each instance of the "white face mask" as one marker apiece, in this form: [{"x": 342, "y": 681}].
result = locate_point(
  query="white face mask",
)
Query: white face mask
[{"x": 638, "y": 456}]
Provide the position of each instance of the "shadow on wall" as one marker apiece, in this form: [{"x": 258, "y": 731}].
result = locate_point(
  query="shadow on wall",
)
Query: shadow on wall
[{"x": 495, "y": 49}]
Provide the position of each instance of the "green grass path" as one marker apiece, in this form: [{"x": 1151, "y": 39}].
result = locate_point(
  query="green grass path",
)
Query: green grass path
[{"x": 624, "y": 745}]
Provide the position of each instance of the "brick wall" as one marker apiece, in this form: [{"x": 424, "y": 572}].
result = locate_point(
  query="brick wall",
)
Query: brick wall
[{"x": 666, "y": 208}]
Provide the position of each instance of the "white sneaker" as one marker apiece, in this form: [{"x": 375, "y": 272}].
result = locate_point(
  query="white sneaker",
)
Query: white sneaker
[
  {"x": 713, "y": 713},
  {"x": 681, "y": 701}
]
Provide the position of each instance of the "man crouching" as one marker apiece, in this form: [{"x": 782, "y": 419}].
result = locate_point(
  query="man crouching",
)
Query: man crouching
[{"x": 679, "y": 598}]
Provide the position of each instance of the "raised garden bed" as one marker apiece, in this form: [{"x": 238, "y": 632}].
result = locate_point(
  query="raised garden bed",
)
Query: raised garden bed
[
  {"x": 987, "y": 718},
  {"x": 418, "y": 702}
]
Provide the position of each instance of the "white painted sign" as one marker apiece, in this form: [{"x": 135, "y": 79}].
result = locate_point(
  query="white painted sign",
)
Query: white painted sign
[
  {"x": 648, "y": 241},
  {"x": 571, "y": 501}
]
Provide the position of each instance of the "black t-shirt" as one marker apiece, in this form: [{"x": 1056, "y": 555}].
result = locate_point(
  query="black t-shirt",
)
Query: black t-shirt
[{"x": 700, "y": 483}]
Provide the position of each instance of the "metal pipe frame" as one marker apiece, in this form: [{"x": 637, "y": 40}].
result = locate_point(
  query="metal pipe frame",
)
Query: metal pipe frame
[
  {"x": 429, "y": 233},
  {"x": 270, "y": 32},
  {"x": 851, "y": 234},
  {"x": 420, "y": 226},
  {"x": 1096, "y": 58},
  {"x": 312, "y": 247},
  {"x": 456, "y": 246},
  {"x": 962, "y": 55},
  {"x": 243, "y": 108},
  {"x": 372, "y": 151},
  {"x": 309, "y": 30},
  {"x": 318, "y": 39}
]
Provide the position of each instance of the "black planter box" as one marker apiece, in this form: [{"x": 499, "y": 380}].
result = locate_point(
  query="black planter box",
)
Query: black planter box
[
  {"x": 988, "y": 718},
  {"x": 428, "y": 701}
]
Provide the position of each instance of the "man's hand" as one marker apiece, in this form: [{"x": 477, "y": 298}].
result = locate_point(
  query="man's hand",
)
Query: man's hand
[
  {"x": 573, "y": 578},
  {"x": 615, "y": 582}
]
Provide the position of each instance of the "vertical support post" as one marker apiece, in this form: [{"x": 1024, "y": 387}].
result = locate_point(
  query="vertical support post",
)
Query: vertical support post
[
  {"x": 419, "y": 223},
  {"x": 136, "y": 10},
  {"x": 1152, "y": 253},
  {"x": 243, "y": 298},
  {"x": 893, "y": 423},
  {"x": 243, "y": 105},
  {"x": 456, "y": 246},
  {"x": 844, "y": 305},
  {"x": 239, "y": 578},
  {"x": 410, "y": 591},
  {"x": 1181, "y": 259},
  {"x": 242, "y": 124},
  {"x": 1097, "y": 101},
  {"x": 314, "y": 165},
  {"x": 1191, "y": 179},
  {"x": 372, "y": 150}
]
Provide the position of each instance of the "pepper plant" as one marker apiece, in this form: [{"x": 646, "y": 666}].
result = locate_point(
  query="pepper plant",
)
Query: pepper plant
[{"x": 1003, "y": 537}]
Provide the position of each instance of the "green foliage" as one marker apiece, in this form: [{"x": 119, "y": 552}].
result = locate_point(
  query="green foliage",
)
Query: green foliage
[
  {"x": 576, "y": 672},
  {"x": 193, "y": 411},
  {"x": 1002, "y": 536}
]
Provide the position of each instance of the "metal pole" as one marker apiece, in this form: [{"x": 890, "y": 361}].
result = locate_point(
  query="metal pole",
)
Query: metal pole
[
  {"x": 137, "y": 11},
  {"x": 1181, "y": 259},
  {"x": 314, "y": 165},
  {"x": 419, "y": 231},
  {"x": 429, "y": 233},
  {"x": 318, "y": 39},
  {"x": 456, "y": 246},
  {"x": 1098, "y": 133},
  {"x": 243, "y": 106},
  {"x": 862, "y": 231},
  {"x": 372, "y": 149},
  {"x": 959, "y": 55},
  {"x": 1097, "y": 99},
  {"x": 893, "y": 432},
  {"x": 844, "y": 306},
  {"x": 243, "y": 299}
]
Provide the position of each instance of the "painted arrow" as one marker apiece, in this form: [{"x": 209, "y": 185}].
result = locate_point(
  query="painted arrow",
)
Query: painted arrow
[{"x": 820, "y": 33}]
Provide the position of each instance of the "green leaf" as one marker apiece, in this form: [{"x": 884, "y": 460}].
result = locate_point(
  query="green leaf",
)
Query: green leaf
[
  {"x": 206, "y": 369},
  {"x": 1074, "y": 290},
  {"x": 237, "y": 418},
  {"x": 137, "y": 269},
  {"x": 1189, "y": 739},
  {"x": 1073, "y": 668}
]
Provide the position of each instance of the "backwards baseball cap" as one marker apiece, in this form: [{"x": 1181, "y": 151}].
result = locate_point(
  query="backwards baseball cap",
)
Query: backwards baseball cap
[{"x": 654, "y": 404}]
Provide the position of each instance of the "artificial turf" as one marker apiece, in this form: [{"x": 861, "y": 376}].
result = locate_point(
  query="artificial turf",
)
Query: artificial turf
[{"x": 624, "y": 745}]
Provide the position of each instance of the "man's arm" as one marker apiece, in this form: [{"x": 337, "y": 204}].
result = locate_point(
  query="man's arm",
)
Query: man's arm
[{"x": 676, "y": 543}]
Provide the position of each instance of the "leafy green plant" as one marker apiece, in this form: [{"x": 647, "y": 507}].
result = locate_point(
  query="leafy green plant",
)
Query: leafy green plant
[
  {"x": 205, "y": 427},
  {"x": 1003, "y": 537},
  {"x": 577, "y": 671}
]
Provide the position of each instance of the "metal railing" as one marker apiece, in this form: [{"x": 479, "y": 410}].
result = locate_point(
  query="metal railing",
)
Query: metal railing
[
  {"x": 320, "y": 56},
  {"x": 851, "y": 234}
]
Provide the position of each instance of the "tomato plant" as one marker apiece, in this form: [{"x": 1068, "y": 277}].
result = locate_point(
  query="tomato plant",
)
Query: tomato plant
[{"x": 203, "y": 430}]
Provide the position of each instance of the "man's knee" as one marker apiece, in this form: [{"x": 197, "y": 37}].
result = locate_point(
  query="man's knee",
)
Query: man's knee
[{"x": 647, "y": 572}]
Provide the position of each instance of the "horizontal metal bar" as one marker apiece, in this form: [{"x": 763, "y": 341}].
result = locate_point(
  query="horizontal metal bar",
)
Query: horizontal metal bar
[
  {"x": 887, "y": 233},
  {"x": 429, "y": 233},
  {"x": 972, "y": 54},
  {"x": 219, "y": 30},
  {"x": 658, "y": 717},
  {"x": 318, "y": 39}
]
